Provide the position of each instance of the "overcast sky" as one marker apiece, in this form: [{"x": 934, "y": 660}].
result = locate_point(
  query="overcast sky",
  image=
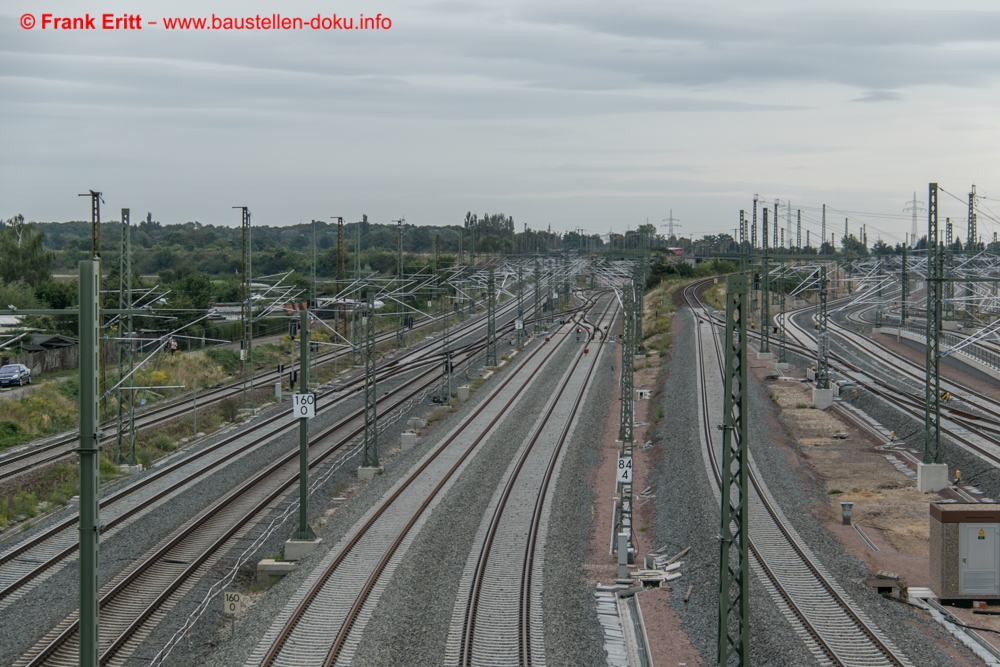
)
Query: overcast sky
[{"x": 577, "y": 114}]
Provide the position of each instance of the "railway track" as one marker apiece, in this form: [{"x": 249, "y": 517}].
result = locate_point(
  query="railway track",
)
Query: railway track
[
  {"x": 979, "y": 433},
  {"x": 27, "y": 561},
  {"x": 63, "y": 447},
  {"x": 498, "y": 617},
  {"x": 138, "y": 597},
  {"x": 834, "y": 631},
  {"x": 324, "y": 625}
]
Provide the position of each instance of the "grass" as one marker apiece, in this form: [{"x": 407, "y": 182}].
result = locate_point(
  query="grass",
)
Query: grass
[
  {"x": 833, "y": 492},
  {"x": 659, "y": 415},
  {"x": 802, "y": 406},
  {"x": 438, "y": 414},
  {"x": 54, "y": 488},
  {"x": 11, "y": 434},
  {"x": 261, "y": 586}
]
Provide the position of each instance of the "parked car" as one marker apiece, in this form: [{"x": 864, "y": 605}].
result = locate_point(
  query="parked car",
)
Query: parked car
[{"x": 12, "y": 374}]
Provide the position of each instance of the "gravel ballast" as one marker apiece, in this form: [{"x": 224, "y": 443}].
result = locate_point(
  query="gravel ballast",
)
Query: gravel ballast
[
  {"x": 687, "y": 515},
  {"x": 57, "y": 597}
]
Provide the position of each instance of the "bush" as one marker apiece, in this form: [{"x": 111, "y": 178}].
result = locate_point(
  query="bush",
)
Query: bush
[
  {"x": 70, "y": 387},
  {"x": 11, "y": 434},
  {"x": 228, "y": 359},
  {"x": 163, "y": 442},
  {"x": 229, "y": 409}
]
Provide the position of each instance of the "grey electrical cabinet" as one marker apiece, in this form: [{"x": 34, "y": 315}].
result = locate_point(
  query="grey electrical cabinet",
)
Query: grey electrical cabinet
[
  {"x": 965, "y": 551},
  {"x": 979, "y": 559}
]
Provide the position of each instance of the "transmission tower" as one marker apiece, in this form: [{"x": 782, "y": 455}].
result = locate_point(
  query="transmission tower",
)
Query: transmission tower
[
  {"x": 822, "y": 231},
  {"x": 246, "y": 310},
  {"x": 822, "y": 335},
  {"x": 400, "y": 310},
  {"x": 777, "y": 226},
  {"x": 491, "y": 320},
  {"x": 949, "y": 287},
  {"x": 357, "y": 334},
  {"x": 913, "y": 206},
  {"x": 743, "y": 242},
  {"x": 95, "y": 254},
  {"x": 357, "y": 247},
  {"x": 341, "y": 271},
  {"x": 734, "y": 569},
  {"x": 315, "y": 304},
  {"x": 798, "y": 230},
  {"x": 671, "y": 223},
  {"x": 782, "y": 351},
  {"x": 370, "y": 456},
  {"x": 625, "y": 431},
  {"x": 125, "y": 434},
  {"x": 639, "y": 281},
  {"x": 765, "y": 295},
  {"x": 538, "y": 296},
  {"x": 932, "y": 386},
  {"x": 520, "y": 305},
  {"x": 446, "y": 372},
  {"x": 755, "y": 292},
  {"x": 971, "y": 248},
  {"x": 566, "y": 285},
  {"x": 628, "y": 323},
  {"x": 904, "y": 288},
  {"x": 879, "y": 300},
  {"x": 305, "y": 532}
]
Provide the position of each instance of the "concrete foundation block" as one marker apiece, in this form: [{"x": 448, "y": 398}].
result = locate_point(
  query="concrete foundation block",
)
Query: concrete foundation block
[
  {"x": 299, "y": 549},
  {"x": 130, "y": 470},
  {"x": 782, "y": 365},
  {"x": 367, "y": 473},
  {"x": 463, "y": 393},
  {"x": 273, "y": 568},
  {"x": 810, "y": 375},
  {"x": 277, "y": 390},
  {"x": 822, "y": 398},
  {"x": 932, "y": 477},
  {"x": 407, "y": 440},
  {"x": 765, "y": 356}
]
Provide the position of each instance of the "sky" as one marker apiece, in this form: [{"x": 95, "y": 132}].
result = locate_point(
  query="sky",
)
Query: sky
[{"x": 576, "y": 115}]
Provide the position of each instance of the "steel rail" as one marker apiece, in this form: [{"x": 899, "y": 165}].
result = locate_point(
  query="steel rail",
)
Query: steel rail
[
  {"x": 427, "y": 379},
  {"x": 65, "y": 444},
  {"x": 312, "y": 594},
  {"x": 390, "y": 369},
  {"x": 890, "y": 654},
  {"x": 479, "y": 573}
]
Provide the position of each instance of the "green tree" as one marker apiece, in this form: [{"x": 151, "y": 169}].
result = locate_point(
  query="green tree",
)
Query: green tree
[{"x": 22, "y": 256}]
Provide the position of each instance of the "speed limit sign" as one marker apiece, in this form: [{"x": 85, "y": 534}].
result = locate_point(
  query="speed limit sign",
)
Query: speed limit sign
[
  {"x": 233, "y": 603},
  {"x": 304, "y": 405}
]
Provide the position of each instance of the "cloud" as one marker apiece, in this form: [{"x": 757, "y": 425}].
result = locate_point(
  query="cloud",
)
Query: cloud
[{"x": 878, "y": 96}]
